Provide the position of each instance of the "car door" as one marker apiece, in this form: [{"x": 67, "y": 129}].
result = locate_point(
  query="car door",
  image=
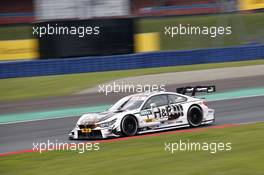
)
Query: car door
[
  {"x": 175, "y": 108},
  {"x": 154, "y": 110}
]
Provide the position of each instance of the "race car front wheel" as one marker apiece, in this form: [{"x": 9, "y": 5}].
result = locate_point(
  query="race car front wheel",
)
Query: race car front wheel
[
  {"x": 129, "y": 125},
  {"x": 195, "y": 116}
]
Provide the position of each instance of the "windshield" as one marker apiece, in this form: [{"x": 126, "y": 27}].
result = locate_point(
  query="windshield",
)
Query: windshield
[{"x": 130, "y": 103}]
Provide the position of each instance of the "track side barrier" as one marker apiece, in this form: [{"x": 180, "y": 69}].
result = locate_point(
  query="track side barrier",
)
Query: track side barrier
[{"x": 130, "y": 61}]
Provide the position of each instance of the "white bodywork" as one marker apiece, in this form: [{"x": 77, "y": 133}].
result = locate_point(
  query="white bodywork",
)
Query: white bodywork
[{"x": 108, "y": 124}]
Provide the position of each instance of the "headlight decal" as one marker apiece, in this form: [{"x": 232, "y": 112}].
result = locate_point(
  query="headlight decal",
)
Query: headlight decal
[{"x": 108, "y": 124}]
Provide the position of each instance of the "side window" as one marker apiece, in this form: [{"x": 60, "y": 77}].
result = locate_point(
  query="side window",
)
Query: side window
[
  {"x": 159, "y": 100},
  {"x": 176, "y": 99}
]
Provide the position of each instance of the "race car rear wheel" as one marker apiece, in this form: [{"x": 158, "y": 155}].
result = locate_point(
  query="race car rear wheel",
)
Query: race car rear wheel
[
  {"x": 129, "y": 125},
  {"x": 195, "y": 116}
]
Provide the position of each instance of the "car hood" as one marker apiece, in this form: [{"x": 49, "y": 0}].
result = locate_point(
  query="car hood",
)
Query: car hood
[{"x": 92, "y": 118}]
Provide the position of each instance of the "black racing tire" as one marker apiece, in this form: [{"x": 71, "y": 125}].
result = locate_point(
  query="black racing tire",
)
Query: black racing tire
[
  {"x": 129, "y": 125},
  {"x": 195, "y": 116}
]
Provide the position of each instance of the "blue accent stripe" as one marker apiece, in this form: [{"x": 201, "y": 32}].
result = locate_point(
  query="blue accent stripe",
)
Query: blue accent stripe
[{"x": 4, "y": 15}]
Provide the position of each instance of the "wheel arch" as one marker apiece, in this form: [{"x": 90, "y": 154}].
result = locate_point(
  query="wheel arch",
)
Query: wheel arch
[{"x": 196, "y": 105}]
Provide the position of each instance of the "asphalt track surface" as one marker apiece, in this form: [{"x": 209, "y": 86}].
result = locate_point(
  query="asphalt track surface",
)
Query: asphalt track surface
[
  {"x": 100, "y": 98},
  {"x": 20, "y": 136}
]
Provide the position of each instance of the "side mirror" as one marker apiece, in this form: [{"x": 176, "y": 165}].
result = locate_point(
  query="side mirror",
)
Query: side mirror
[{"x": 153, "y": 105}]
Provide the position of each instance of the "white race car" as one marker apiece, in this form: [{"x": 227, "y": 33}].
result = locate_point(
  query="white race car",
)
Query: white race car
[{"x": 146, "y": 112}]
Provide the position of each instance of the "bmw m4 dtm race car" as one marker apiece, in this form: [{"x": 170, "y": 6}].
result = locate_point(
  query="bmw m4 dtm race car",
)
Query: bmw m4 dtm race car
[{"x": 147, "y": 112}]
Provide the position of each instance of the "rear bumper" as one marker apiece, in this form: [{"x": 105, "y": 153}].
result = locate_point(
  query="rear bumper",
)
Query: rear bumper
[{"x": 209, "y": 116}]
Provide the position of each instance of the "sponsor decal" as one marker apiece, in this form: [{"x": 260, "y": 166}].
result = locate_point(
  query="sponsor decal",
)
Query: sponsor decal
[
  {"x": 147, "y": 112},
  {"x": 171, "y": 111}
]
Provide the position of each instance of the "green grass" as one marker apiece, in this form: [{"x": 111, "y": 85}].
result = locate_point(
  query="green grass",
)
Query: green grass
[
  {"x": 147, "y": 156},
  {"x": 16, "y": 32},
  {"x": 46, "y": 86},
  {"x": 246, "y": 28}
]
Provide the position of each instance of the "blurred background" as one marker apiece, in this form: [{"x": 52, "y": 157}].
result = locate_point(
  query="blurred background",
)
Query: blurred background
[
  {"x": 126, "y": 26},
  {"x": 57, "y": 76}
]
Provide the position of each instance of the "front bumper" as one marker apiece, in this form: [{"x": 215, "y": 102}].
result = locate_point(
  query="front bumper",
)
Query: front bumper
[{"x": 97, "y": 133}]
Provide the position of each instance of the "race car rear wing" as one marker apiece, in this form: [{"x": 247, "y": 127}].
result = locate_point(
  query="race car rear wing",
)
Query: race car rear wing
[{"x": 194, "y": 89}]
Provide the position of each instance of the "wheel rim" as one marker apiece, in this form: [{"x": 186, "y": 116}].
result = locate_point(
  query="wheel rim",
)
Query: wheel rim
[
  {"x": 195, "y": 117},
  {"x": 129, "y": 126}
]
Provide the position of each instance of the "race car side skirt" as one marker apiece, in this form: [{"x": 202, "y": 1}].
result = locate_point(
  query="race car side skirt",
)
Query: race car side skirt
[
  {"x": 164, "y": 128},
  {"x": 174, "y": 127}
]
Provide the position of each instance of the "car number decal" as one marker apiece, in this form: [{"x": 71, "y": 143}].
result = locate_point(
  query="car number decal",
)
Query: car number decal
[{"x": 86, "y": 130}]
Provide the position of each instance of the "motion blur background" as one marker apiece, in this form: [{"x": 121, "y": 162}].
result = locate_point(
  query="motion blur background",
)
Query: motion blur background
[
  {"x": 127, "y": 27},
  {"x": 47, "y": 83}
]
